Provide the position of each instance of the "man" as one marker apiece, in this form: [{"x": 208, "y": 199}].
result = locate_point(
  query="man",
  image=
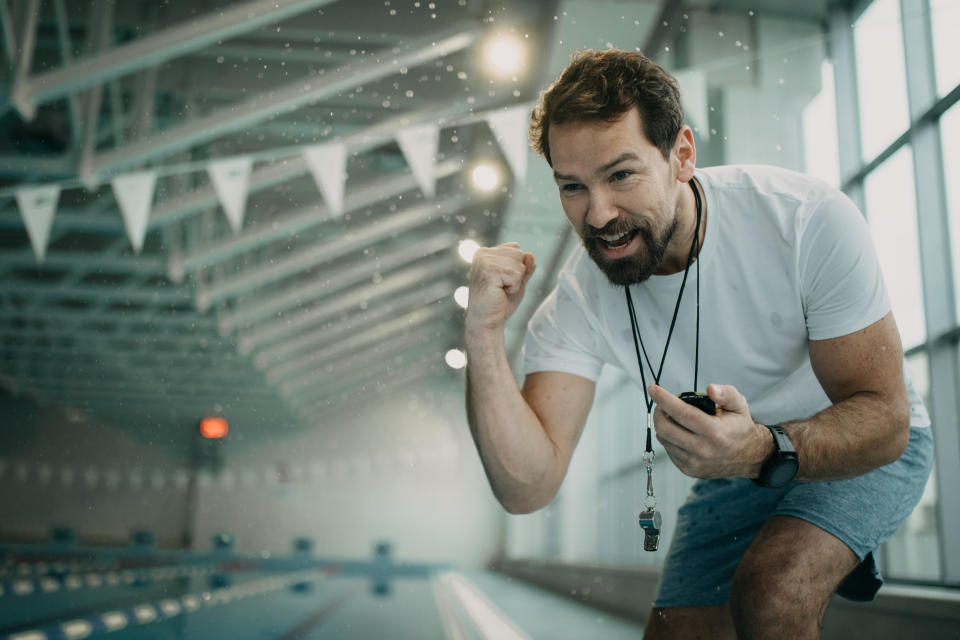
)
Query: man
[{"x": 791, "y": 326}]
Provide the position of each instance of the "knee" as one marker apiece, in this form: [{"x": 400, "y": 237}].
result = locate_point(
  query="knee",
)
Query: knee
[{"x": 768, "y": 604}]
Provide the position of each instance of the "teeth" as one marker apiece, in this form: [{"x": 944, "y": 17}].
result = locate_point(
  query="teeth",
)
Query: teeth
[{"x": 614, "y": 238}]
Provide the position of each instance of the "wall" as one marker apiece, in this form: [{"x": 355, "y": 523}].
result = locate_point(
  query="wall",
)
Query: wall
[{"x": 402, "y": 468}]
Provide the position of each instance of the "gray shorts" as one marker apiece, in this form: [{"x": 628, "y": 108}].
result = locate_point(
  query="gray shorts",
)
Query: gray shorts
[{"x": 721, "y": 517}]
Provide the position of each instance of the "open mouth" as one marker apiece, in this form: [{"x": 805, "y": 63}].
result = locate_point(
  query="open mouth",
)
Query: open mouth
[{"x": 616, "y": 241}]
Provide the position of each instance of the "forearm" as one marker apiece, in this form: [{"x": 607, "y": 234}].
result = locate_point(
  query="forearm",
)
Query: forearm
[
  {"x": 852, "y": 437},
  {"x": 519, "y": 458}
]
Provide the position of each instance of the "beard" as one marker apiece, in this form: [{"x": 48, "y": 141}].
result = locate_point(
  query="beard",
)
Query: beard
[{"x": 635, "y": 268}]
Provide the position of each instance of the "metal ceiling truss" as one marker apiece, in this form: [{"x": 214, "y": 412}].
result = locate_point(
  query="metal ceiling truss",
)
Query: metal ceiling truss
[
  {"x": 369, "y": 384},
  {"x": 337, "y": 330},
  {"x": 309, "y": 312},
  {"x": 312, "y": 316},
  {"x": 328, "y": 284},
  {"x": 148, "y": 51},
  {"x": 357, "y": 343},
  {"x": 368, "y": 357}
]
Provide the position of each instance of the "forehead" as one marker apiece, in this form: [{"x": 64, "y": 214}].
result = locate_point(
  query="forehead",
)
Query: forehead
[{"x": 587, "y": 144}]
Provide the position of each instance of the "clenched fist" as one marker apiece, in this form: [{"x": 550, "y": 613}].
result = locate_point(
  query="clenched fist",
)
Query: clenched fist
[{"x": 498, "y": 277}]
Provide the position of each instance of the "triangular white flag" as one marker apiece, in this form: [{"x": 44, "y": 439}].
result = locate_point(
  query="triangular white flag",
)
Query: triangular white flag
[
  {"x": 134, "y": 194},
  {"x": 419, "y": 146},
  {"x": 328, "y": 164},
  {"x": 693, "y": 88},
  {"x": 231, "y": 178},
  {"x": 510, "y": 129},
  {"x": 37, "y": 205}
]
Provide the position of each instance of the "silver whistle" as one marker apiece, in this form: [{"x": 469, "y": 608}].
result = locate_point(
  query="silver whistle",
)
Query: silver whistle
[{"x": 650, "y": 521}]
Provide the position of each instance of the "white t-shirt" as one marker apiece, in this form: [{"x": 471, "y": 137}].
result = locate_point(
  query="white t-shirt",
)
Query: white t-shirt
[{"x": 786, "y": 259}]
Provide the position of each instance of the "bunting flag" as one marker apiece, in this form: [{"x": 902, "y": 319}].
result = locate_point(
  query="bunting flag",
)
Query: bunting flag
[
  {"x": 419, "y": 146},
  {"x": 231, "y": 179},
  {"x": 510, "y": 129},
  {"x": 693, "y": 88},
  {"x": 328, "y": 164},
  {"x": 134, "y": 194},
  {"x": 37, "y": 205}
]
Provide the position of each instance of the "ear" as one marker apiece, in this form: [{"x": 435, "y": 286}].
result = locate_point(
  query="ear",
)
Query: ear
[{"x": 684, "y": 154}]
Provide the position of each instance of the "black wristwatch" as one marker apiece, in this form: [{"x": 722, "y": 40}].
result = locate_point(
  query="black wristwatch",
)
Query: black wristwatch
[{"x": 782, "y": 465}]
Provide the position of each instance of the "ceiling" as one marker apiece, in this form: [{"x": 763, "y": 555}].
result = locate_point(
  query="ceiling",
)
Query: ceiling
[{"x": 300, "y": 313}]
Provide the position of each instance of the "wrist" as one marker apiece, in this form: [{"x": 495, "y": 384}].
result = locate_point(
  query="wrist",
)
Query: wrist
[
  {"x": 764, "y": 447},
  {"x": 479, "y": 337}
]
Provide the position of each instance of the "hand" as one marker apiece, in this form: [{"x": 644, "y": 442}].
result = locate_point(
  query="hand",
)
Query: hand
[
  {"x": 729, "y": 444},
  {"x": 498, "y": 279}
]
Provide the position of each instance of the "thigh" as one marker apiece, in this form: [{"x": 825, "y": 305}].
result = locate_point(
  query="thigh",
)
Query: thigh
[
  {"x": 786, "y": 578},
  {"x": 712, "y": 530},
  {"x": 690, "y": 623},
  {"x": 794, "y": 557}
]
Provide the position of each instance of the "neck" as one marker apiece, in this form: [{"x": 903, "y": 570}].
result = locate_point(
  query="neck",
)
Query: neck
[{"x": 678, "y": 252}]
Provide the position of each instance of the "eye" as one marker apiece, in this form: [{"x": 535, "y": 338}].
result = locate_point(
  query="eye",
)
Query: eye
[
  {"x": 623, "y": 174},
  {"x": 571, "y": 187}
]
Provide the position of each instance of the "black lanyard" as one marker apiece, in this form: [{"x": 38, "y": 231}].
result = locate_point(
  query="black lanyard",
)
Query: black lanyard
[{"x": 638, "y": 340}]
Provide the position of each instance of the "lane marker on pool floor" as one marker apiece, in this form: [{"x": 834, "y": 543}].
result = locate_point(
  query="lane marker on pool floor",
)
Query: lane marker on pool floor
[
  {"x": 149, "y": 612},
  {"x": 489, "y": 620}
]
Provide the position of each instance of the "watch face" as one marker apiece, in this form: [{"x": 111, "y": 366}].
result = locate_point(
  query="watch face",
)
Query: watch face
[{"x": 782, "y": 473}]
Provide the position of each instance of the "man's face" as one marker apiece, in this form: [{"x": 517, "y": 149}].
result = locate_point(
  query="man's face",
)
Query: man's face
[{"x": 618, "y": 192}]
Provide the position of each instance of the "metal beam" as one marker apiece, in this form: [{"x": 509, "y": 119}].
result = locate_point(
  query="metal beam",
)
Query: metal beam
[
  {"x": 355, "y": 343},
  {"x": 66, "y": 55},
  {"x": 327, "y": 284},
  {"x": 134, "y": 360},
  {"x": 331, "y": 407},
  {"x": 303, "y": 259},
  {"x": 141, "y": 53},
  {"x": 358, "y": 322},
  {"x": 100, "y": 38},
  {"x": 144, "y": 264},
  {"x": 377, "y": 380},
  {"x": 300, "y": 220},
  {"x": 371, "y": 355},
  {"x": 146, "y": 319},
  {"x": 316, "y": 314},
  {"x": 150, "y": 343},
  {"x": 20, "y": 164},
  {"x": 97, "y": 293},
  {"x": 27, "y": 46},
  {"x": 280, "y": 100}
]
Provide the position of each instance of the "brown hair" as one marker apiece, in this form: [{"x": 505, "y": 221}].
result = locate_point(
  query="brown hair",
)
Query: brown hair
[{"x": 604, "y": 85}]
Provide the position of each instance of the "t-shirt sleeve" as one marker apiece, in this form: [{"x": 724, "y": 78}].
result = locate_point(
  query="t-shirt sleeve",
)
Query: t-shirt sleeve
[
  {"x": 560, "y": 336},
  {"x": 840, "y": 277}
]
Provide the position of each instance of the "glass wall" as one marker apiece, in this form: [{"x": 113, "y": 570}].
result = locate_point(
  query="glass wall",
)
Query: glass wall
[{"x": 850, "y": 106}]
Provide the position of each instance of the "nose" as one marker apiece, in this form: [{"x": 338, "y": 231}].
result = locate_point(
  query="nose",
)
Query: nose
[{"x": 600, "y": 210}]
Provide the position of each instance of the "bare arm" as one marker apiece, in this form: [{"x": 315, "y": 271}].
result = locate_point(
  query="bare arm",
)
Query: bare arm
[
  {"x": 866, "y": 427},
  {"x": 525, "y": 438}
]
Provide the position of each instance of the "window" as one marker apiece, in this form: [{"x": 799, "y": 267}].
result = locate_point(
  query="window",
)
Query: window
[
  {"x": 892, "y": 214},
  {"x": 821, "y": 158},
  {"x": 881, "y": 76},
  {"x": 913, "y": 552},
  {"x": 950, "y": 138},
  {"x": 945, "y": 21}
]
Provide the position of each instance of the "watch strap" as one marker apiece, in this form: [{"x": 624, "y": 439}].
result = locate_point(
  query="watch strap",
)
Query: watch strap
[{"x": 783, "y": 453}]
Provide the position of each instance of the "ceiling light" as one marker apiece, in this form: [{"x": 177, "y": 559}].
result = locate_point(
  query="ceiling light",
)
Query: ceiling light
[
  {"x": 456, "y": 359},
  {"x": 485, "y": 177},
  {"x": 461, "y": 295},
  {"x": 505, "y": 55},
  {"x": 467, "y": 248}
]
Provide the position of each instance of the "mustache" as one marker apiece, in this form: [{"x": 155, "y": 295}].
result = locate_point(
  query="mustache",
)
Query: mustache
[{"x": 612, "y": 228}]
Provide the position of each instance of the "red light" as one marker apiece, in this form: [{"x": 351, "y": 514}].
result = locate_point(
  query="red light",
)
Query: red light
[{"x": 214, "y": 428}]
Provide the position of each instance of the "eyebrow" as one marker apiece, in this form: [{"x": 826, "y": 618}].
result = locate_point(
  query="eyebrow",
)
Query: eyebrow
[{"x": 629, "y": 155}]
